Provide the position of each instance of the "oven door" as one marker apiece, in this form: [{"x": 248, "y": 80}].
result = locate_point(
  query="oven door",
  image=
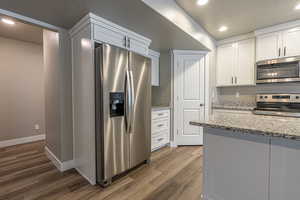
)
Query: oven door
[
  {"x": 278, "y": 109},
  {"x": 279, "y": 72}
]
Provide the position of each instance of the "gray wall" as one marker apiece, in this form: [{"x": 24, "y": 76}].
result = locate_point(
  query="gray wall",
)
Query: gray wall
[
  {"x": 228, "y": 96},
  {"x": 58, "y": 93},
  {"x": 161, "y": 95},
  {"x": 21, "y": 89}
]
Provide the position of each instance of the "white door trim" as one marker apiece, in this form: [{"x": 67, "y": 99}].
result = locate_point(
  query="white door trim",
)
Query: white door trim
[{"x": 175, "y": 54}]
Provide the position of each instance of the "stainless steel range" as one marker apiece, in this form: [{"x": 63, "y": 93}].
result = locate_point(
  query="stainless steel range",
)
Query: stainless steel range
[{"x": 278, "y": 105}]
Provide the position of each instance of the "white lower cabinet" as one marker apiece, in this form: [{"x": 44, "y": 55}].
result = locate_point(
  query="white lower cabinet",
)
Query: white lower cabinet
[{"x": 160, "y": 129}]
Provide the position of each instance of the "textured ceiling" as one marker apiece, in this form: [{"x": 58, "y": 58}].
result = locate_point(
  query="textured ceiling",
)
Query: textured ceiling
[
  {"x": 21, "y": 31},
  {"x": 132, "y": 14},
  {"x": 241, "y": 16}
]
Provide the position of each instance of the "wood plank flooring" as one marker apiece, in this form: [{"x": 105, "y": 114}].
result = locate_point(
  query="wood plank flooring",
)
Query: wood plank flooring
[{"x": 26, "y": 173}]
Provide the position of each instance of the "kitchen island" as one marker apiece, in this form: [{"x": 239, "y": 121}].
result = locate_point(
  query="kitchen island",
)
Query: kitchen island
[{"x": 251, "y": 157}]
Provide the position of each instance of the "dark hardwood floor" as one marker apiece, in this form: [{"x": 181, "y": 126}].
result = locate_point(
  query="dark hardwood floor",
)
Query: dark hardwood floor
[{"x": 26, "y": 173}]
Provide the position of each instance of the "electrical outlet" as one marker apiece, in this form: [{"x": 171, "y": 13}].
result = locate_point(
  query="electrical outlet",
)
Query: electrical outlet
[{"x": 37, "y": 127}]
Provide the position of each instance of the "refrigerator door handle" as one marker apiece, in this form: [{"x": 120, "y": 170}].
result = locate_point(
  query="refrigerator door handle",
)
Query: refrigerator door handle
[
  {"x": 127, "y": 100},
  {"x": 131, "y": 102}
]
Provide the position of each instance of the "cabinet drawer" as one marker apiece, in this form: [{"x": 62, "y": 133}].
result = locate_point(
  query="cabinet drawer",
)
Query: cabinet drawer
[
  {"x": 160, "y": 125},
  {"x": 159, "y": 140},
  {"x": 109, "y": 36},
  {"x": 160, "y": 114}
]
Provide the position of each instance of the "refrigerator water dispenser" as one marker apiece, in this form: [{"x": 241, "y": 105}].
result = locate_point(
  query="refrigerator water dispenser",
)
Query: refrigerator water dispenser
[{"x": 116, "y": 104}]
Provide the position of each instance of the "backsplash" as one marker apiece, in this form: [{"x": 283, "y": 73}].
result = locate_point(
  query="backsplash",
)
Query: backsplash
[
  {"x": 239, "y": 96},
  {"x": 245, "y": 96}
]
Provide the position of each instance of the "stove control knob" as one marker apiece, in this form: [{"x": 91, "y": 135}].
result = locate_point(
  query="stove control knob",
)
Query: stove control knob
[
  {"x": 297, "y": 97},
  {"x": 266, "y": 97}
]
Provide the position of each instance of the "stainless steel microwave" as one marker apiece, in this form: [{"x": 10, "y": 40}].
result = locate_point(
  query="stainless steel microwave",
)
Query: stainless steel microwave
[{"x": 278, "y": 70}]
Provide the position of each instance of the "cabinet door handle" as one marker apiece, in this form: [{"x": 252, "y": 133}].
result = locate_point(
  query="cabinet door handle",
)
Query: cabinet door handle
[
  {"x": 279, "y": 52},
  {"x": 284, "y": 51},
  {"x": 128, "y": 43},
  {"x": 125, "y": 41},
  {"x": 235, "y": 80},
  {"x": 232, "y": 80}
]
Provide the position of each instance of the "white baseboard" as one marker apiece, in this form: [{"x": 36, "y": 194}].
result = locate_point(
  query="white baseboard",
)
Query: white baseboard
[
  {"x": 7, "y": 143},
  {"x": 61, "y": 166}
]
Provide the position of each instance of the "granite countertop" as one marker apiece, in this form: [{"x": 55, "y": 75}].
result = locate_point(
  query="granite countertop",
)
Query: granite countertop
[
  {"x": 285, "y": 127},
  {"x": 234, "y": 107}
]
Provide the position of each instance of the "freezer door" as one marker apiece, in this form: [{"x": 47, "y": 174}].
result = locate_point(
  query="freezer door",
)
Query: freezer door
[
  {"x": 140, "y": 133},
  {"x": 112, "y": 140}
]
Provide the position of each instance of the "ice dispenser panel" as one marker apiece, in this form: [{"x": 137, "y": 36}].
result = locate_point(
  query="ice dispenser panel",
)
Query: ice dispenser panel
[{"x": 116, "y": 104}]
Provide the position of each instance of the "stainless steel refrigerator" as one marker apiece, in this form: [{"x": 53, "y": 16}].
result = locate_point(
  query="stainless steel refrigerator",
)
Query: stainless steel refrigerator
[{"x": 123, "y": 111}]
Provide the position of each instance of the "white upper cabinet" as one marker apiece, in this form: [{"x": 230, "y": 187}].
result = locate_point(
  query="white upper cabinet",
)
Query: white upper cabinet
[
  {"x": 245, "y": 68},
  {"x": 291, "y": 42},
  {"x": 104, "y": 31},
  {"x": 268, "y": 46},
  {"x": 154, "y": 66},
  {"x": 278, "y": 44},
  {"x": 225, "y": 64},
  {"x": 137, "y": 45},
  {"x": 109, "y": 36},
  {"x": 236, "y": 63}
]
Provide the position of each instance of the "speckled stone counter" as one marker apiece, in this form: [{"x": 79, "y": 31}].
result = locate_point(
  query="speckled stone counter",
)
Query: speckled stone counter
[
  {"x": 157, "y": 108},
  {"x": 241, "y": 108},
  {"x": 243, "y": 151},
  {"x": 285, "y": 127}
]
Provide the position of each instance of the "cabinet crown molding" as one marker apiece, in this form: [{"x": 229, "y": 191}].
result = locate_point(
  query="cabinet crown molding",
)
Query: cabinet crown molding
[
  {"x": 236, "y": 39},
  {"x": 276, "y": 28},
  {"x": 190, "y": 52},
  {"x": 91, "y": 18},
  {"x": 154, "y": 53}
]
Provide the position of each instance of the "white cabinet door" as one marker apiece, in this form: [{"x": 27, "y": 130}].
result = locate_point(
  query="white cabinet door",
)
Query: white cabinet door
[
  {"x": 244, "y": 72},
  {"x": 226, "y": 62},
  {"x": 137, "y": 46},
  {"x": 268, "y": 46},
  {"x": 120, "y": 38},
  {"x": 155, "y": 67},
  {"x": 291, "y": 42},
  {"x": 190, "y": 87},
  {"x": 109, "y": 36}
]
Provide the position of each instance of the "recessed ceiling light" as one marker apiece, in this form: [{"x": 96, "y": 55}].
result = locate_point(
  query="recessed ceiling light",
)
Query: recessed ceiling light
[
  {"x": 202, "y": 2},
  {"x": 223, "y": 28},
  {"x": 297, "y": 7},
  {"x": 7, "y": 21}
]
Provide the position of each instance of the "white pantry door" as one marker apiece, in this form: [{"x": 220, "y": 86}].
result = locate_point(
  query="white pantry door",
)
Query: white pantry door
[{"x": 189, "y": 90}]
